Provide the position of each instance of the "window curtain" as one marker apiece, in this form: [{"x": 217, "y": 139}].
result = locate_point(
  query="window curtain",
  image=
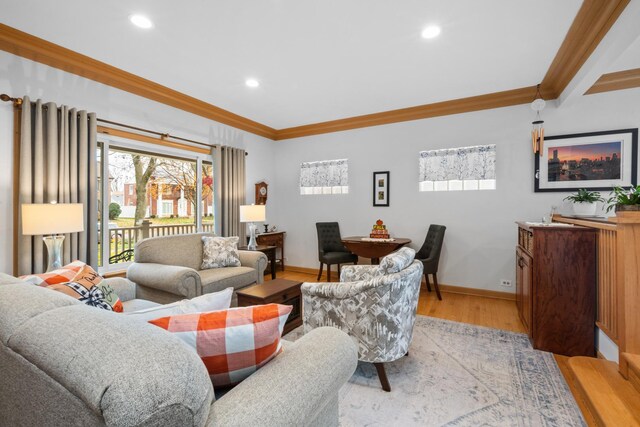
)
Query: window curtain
[
  {"x": 328, "y": 176},
  {"x": 230, "y": 184},
  {"x": 57, "y": 161},
  {"x": 467, "y": 163}
]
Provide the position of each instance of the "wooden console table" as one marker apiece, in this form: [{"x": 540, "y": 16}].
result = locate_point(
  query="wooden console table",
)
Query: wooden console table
[{"x": 275, "y": 238}]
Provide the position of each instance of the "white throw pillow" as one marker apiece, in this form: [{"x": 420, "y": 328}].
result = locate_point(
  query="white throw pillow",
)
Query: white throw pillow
[
  {"x": 209, "y": 302},
  {"x": 219, "y": 252}
]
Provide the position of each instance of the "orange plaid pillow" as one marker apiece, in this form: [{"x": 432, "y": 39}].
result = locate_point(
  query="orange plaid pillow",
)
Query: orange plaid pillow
[
  {"x": 61, "y": 275},
  {"x": 232, "y": 343}
]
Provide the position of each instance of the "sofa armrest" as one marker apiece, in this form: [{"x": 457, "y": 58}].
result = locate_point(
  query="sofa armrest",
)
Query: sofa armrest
[
  {"x": 336, "y": 290},
  {"x": 352, "y": 273},
  {"x": 124, "y": 288},
  {"x": 182, "y": 281},
  {"x": 295, "y": 387},
  {"x": 7, "y": 279},
  {"x": 256, "y": 260}
]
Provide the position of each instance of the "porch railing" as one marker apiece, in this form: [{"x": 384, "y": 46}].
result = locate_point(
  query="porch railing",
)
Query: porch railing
[{"x": 122, "y": 240}]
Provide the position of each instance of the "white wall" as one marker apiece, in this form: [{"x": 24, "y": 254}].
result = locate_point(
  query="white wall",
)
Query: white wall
[
  {"x": 481, "y": 234},
  {"x": 19, "y": 77}
]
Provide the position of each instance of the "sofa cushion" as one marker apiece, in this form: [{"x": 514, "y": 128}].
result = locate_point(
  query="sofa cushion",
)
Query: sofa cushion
[
  {"x": 216, "y": 279},
  {"x": 232, "y": 343},
  {"x": 397, "y": 261},
  {"x": 183, "y": 249},
  {"x": 219, "y": 252}
]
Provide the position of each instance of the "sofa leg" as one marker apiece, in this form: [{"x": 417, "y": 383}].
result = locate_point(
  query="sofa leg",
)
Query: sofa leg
[
  {"x": 435, "y": 284},
  {"x": 328, "y": 272},
  {"x": 426, "y": 278},
  {"x": 382, "y": 375},
  {"x": 320, "y": 271}
]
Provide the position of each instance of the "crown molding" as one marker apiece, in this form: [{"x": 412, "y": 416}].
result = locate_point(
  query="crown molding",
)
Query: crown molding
[
  {"x": 36, "y": 49},
  {"x": 616, "y": 81}
]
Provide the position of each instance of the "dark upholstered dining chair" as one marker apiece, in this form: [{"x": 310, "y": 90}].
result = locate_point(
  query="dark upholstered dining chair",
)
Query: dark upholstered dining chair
[
  {"x": 331, "y": 250},
  {"x": 429, "y": 254}
]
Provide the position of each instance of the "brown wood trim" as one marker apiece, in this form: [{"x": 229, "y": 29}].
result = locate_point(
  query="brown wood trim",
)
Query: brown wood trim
[
  {"x": 616, "y": 81},
  {"x": 36, "y": 49},
  {"x": 600, "y": 225},
  {"x": 17, "y": 118},
  {"x": 594, "y": 19},
  {"x": 144, "y": 138},
  {"x": 116, "y": 273},
  {"x": 464, "y": 105}
]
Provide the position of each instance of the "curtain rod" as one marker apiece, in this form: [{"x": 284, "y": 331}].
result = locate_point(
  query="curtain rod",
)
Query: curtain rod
[{"x": 18, "y": 102}]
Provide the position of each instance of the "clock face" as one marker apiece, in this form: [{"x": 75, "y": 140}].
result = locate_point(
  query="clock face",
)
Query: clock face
[{"x": 263, "y": 191}]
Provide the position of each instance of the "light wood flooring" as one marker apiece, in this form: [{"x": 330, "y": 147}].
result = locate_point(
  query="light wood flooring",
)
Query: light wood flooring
[{"x": 475, "y": 310}]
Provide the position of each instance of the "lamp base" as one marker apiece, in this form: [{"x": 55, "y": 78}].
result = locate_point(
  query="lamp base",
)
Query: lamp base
[
  {"x": 252, "y": 240},
  {"x": 54, "y": 249}
]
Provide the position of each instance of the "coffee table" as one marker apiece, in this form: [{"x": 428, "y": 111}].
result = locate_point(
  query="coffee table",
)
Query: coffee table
[{"x": 279, "y": 291}]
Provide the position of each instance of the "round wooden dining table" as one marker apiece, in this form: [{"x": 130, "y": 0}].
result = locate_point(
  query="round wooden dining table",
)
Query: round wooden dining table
[{"x": 373, "y": 249}]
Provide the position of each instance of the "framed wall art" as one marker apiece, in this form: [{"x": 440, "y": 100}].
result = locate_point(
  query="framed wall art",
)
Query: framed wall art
[
  {"x": 595, "y": 161},
  {"x": 381, "y": 188}
]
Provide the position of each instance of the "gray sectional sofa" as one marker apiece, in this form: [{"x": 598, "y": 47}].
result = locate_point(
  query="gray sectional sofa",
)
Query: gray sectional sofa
[
  {"x": 63, "y": 363},
  {"x": 167, "y": 269}
]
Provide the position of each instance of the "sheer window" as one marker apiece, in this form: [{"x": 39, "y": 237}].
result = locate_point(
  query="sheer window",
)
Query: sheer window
[
  {"x": 458, "y": 169},
  {"x": 324, "y": 177}
]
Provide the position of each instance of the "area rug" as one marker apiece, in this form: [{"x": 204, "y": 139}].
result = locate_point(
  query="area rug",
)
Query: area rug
[{"x": 458, "y": 374}]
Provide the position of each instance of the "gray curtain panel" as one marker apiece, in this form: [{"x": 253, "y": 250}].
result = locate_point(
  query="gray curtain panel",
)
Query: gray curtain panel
[
  {"x": 58, "y": 162},
  {"x": 229, "y": 169}
]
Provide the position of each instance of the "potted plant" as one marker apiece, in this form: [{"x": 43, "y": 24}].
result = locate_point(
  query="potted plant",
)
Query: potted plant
[
  {"x": 584, "y": 202},
  {"x": 624, "y": 199}
]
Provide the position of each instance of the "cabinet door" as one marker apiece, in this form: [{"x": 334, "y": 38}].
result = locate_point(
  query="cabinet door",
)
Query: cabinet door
[
  {"x": 527, "y": 294},
  {"x": 519, "y": 282}
]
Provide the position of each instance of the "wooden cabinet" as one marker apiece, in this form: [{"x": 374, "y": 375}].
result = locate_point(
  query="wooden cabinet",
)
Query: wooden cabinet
[
  {"x": 276, "y": 239},
  {"x": 556, "y": 287}
]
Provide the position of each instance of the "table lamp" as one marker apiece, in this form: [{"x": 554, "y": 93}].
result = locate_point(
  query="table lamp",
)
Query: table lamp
[
  {"x": 52, "y": 220},
  {"x": 252, "y": 214}
]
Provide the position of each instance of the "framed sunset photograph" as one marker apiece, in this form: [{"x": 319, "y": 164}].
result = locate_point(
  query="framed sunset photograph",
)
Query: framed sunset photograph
[{"x": 595, "y": 161}]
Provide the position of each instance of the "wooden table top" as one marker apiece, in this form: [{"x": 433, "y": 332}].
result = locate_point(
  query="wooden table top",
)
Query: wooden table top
[
  {"x": 373, "y": 249},
  {"x": 269, "y": 288},
  {"x": 396, "y": 240},
  {"x": 258, "y": 248}
]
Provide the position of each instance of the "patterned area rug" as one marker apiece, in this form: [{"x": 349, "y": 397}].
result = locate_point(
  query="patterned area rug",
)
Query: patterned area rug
[{"x": 461, "y": 375}]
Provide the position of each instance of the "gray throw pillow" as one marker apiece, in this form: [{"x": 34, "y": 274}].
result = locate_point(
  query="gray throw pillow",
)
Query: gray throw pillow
[{"x": 219, "y": 252}]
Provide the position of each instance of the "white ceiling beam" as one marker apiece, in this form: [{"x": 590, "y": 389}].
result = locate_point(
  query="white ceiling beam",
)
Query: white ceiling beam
[{"x": 622, "y": 35}]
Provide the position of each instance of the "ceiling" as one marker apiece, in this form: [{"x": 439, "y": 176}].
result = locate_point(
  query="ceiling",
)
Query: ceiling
[{"x": 316, "y": 61}]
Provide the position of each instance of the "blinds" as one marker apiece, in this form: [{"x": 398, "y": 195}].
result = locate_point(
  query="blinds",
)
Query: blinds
[
  {"x": 466, "y": 168},
  {"x": 324, "y": 177}
]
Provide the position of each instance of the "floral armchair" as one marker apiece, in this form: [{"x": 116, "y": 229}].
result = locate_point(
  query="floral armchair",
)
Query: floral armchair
[{"x": 375, "y": 304}]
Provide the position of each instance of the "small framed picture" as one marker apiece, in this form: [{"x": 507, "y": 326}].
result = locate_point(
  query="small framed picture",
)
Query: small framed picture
[
  {"x": 595, "y": 161},
  {"x": 381, "y": 188}
]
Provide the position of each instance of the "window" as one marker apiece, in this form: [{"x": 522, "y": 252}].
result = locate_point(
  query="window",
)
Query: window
[
  {"x": 149, "y": 194},
  {"x": 457, "y": 169},
  {"x": 324, "y": 177}
]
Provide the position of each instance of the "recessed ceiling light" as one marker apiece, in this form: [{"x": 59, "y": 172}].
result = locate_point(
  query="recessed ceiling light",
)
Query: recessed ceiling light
[
  {"x": 252, "y": 83},
  {"x": 430, "y": 32},
  {"x": 141, "y": 21}
]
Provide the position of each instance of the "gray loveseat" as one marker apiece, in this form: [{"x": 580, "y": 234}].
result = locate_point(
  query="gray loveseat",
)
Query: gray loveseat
[
  {"x": 167, "y": 269},
  {"x": 63, "y": 363}
]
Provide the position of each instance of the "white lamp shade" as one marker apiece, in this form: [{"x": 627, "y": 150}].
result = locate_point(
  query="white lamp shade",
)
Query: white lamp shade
[
  {"x": 52, "y": 218},
  {"x": 253, "y": 213}
]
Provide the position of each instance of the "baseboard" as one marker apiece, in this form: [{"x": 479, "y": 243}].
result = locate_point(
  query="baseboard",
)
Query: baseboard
[{"x": 444, "y": 288}]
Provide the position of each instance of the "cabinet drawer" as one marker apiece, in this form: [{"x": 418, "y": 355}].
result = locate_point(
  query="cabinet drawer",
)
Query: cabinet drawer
[{"x": 269, "y": 240}]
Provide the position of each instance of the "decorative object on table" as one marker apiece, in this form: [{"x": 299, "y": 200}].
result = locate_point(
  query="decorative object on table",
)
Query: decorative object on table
[
  {"x": 429, "y": 254},
  {"x": 593, "y": 161},
  {"x": 261, "y": 193},
  {"x": 278, "y": 291},
  {"x": 381, "y": 188},
  {"x": 377, "y": 310},
  {"x": 52, "y": 220},
  {"x": 379, "y": 231},
  {"x": 252, "y": 214},
  {"x": 624, "y": 199},
  {"x": 219, "y": 252},
  {"x": 331, "y": 250},
  {"x": 537, "y": 133},
  {"x": 585, "y": 202},
  {"x": 266, "y": 228},
  {"x": 273, "y": 229}
]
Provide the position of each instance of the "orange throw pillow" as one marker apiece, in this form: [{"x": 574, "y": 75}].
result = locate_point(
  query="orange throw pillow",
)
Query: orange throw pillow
[
  {"x": 232, "y": 343},
  {"x": 61, "y": 275},
  {"x": 89, "y": 287}
]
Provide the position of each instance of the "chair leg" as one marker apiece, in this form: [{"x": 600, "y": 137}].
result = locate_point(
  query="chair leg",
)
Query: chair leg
[
  {"x": 435, "y": 284},
  {"x": 382, "y": 375},
  {"x": 328, "y": 272},
  {"x": 339, "y": 270},
  {"x": 426, "y": 278},
  {"x": 320, "y": 271}
]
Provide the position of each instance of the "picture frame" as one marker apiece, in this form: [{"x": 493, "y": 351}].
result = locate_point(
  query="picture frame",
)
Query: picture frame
[
  {"x": 381, "y": 189},
  {"x": 597, "y": 161}
]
